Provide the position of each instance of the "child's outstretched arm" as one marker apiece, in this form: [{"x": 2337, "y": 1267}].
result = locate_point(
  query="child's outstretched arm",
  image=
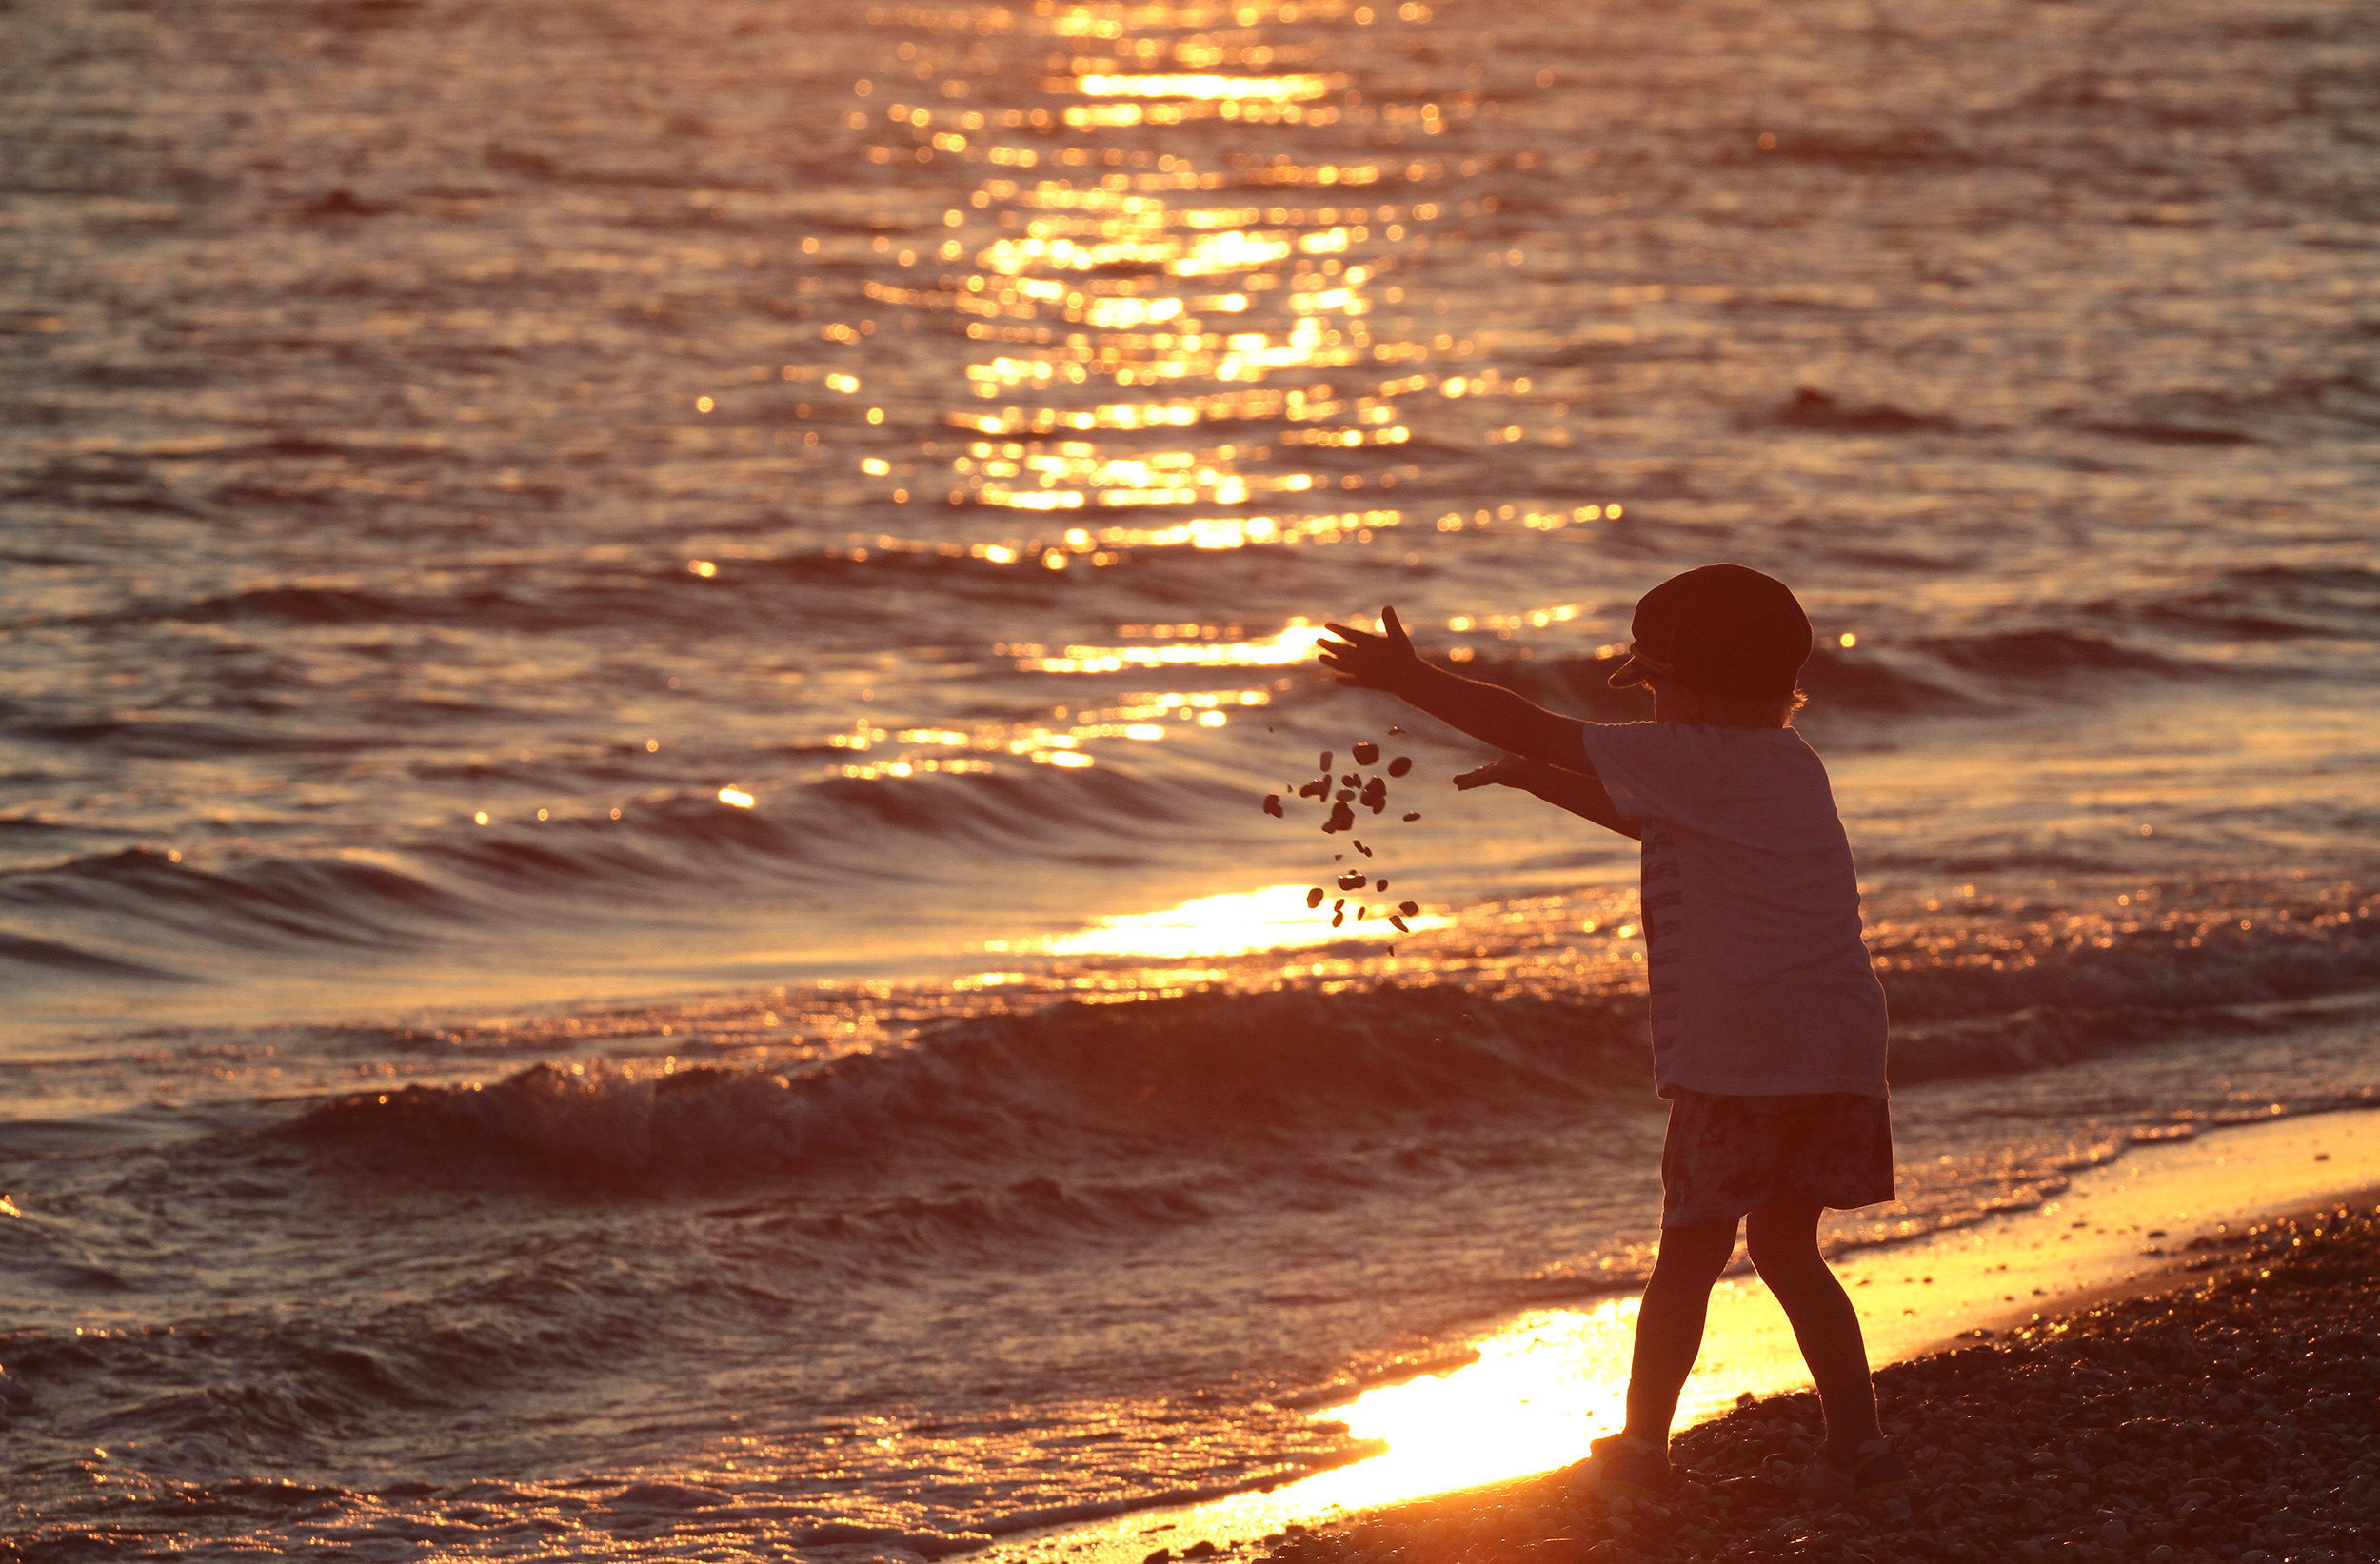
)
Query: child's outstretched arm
[
  {"x": 1582, "y": 794},
  {"x": 1489, "y": 713}
]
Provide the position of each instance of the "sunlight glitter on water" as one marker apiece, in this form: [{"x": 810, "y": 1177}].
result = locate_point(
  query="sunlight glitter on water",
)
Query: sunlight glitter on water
[
  {"x": 1288, "y": 646},
  {"x": 1235, "y": 923}
]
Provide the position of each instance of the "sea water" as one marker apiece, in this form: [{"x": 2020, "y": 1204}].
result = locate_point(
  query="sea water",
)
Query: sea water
[{"x": 645, "y": 644}]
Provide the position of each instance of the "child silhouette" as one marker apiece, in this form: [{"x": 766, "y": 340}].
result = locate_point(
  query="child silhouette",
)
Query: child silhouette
[{"x": 1768, "y": 1021}]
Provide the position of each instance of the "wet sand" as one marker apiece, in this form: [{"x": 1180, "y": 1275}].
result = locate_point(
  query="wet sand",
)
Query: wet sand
[
  {"x": 2224, "y": 1412},
  {"x": 1546, "y": 1382}
]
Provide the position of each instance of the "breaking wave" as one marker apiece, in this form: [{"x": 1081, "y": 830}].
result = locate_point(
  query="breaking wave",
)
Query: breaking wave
[{"x": 1257, "y": 1078}]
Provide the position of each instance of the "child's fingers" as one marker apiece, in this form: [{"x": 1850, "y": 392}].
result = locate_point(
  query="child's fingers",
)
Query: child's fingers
[{"x": 1392, "y": 625}]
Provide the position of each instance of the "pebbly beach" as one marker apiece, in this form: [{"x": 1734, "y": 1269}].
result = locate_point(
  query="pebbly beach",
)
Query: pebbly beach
[{"x": 2225, "y": 1413}]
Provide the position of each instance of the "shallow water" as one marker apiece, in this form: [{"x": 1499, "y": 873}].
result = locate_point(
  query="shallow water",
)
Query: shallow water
[{"x": 653, "y": 590}]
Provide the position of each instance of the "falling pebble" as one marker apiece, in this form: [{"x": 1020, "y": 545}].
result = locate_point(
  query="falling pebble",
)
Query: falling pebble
[
  {"x": 1362, "y": 913},
  {"x": 1408, "y": 908},
  {"x": 1344, "y": 794},
  {"x": 1376, "y": 795},
  {"x": 1366, "y": 753},
  {"x": 1416, "y": 815},
  {"x": 1395, "y": 733},
  {"x": 1314, "y": 897},
  {"x": 1318, "y": 788},
  {"x": 1341, "y": 818},
  {"x": 1337, "y": 918},
  {"x": 1362, "y": 848},
  {"x": 1381, "y": 885},
  {"x": 1352, "y": 880},
  {"x": 1401, "y": 765},
  {"x": 1401, "y": 926},
  {"x": 1272, "y": 807},
  {"x": 1327, "y": 761}
]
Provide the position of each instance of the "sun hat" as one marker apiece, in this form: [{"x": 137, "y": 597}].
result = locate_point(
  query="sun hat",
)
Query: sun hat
[{"x": 1724, "y": 629}]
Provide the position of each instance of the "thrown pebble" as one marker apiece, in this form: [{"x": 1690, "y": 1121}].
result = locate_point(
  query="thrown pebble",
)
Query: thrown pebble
[
  {"x": 1352, "y": 880},
  {"x": 1408, "y": 908},
  {"x": 1272, "y": 807},
  {"x": 1366, "y": 753},
  {"x": 1401, "y": 928},
  {"x": 1326, "y": 761},
  {"x": 1381, "y": 885},
  {"x": 1401, "y": 765},
  {"x": 1376, "y": 795},
  {"x": 1416, "y": 815},
  {"x": 1314, "y": 897},
  {"x": 1341, "y": 818}
]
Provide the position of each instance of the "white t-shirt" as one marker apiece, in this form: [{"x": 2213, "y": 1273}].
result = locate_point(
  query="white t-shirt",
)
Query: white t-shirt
[{"x": 1761, "y": 984}]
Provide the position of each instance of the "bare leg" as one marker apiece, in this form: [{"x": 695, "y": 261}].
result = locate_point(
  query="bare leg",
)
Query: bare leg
[
  {"x": 1669, "y": 1324},
  {"x": 1784, "y": 1239}
]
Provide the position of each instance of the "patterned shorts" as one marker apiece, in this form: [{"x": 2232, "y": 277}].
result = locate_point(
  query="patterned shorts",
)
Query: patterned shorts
[{"x": 1726, "y": 1155}]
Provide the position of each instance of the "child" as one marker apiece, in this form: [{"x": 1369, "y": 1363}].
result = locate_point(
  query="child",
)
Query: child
[{"x": 1768, "y": 1021}]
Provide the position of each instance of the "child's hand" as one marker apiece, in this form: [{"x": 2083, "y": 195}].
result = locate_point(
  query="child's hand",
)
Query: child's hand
[
  {"x": 1511, "y": 771},
  {"x": 1364, "y": 661}
]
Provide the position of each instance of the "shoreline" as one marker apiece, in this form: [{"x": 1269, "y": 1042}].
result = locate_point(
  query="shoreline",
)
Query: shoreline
[
  {"x": 2218, "y": 1415},
  {"x": 1546, "y": 1380}
]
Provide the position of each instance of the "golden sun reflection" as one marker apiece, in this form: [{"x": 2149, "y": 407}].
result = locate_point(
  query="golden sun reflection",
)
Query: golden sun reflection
[
  {"x": 1284, "y": 88},
  {"x": 1290, "y": 646},
  {"x": 1538, "y": 1393},
  {"x": 1236, "y": 923}
]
